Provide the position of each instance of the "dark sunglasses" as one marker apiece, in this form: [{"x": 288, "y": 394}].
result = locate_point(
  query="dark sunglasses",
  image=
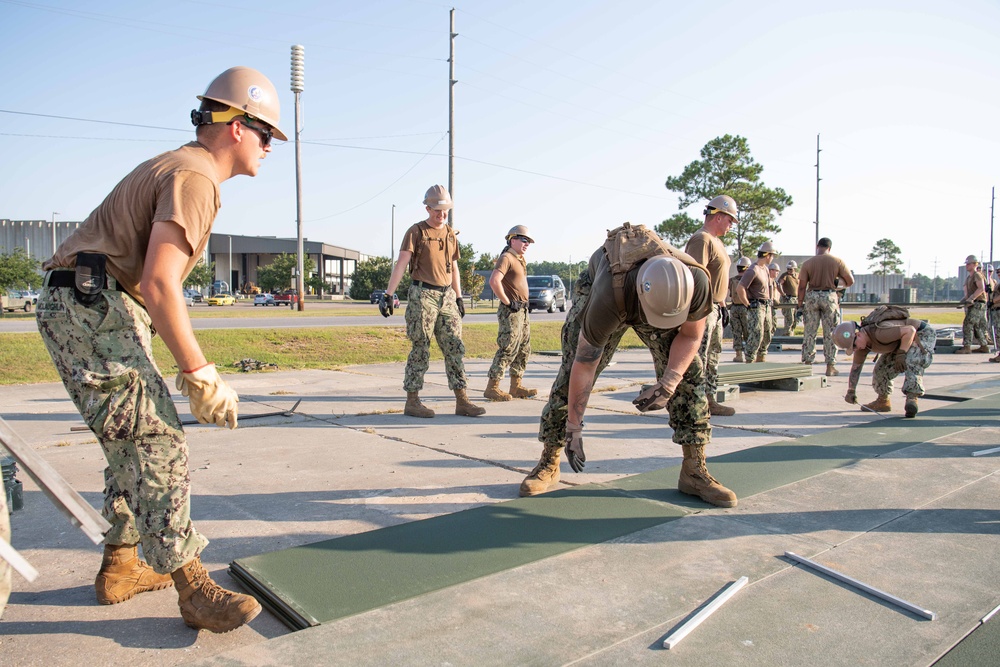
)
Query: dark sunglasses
[
  {"x": 265, "y": 132},
  {"x": 522, "y": 239}
]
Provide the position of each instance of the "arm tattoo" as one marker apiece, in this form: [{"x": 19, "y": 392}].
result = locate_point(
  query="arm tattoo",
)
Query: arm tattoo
[
  {"x": 852, "y": 380},
  {"x": 587, "y": 353}
]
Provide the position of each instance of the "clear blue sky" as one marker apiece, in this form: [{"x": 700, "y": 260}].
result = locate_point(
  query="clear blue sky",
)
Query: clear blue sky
[{"x": 570, "y": 115}]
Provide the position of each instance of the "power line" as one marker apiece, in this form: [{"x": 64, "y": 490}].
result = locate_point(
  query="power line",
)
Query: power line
[{"x": 92, "y": 120}]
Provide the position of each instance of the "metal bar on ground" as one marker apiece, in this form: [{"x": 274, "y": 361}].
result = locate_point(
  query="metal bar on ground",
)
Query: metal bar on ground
[
  {"x": 680, "y": 633},
  {"x": 17, "y": 561},
  {"x": 58, "y": 490},
  {"x": 850, "y": 581},
  {"x": 194, "y": 422},
  {"x": 983, "y": 452}
]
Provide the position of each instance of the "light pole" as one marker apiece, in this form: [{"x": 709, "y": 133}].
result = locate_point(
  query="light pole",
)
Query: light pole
[
  {"x": 298, "y": 85},
  {"x": 392, "y": 236},
  {"x": 54, "y": 214}
]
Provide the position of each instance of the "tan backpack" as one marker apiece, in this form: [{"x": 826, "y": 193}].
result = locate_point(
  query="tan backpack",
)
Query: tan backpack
[{"x": 629, "y": 245}]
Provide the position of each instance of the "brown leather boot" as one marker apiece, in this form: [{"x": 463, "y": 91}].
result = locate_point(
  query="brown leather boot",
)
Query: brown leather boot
[
  {"x": 719, "y": 410},
  {"x": 739, "y": 357},
  {"x": 494, "y": 392},
  {"x": 982, "y": 349},
  {"x": 966, "y": 349},
  {"x": 831, "y": 370},
  {"x": 207, "y": 606},
  {"x": 880, "y": 404},
  {"x": 414, "y": 408},
  {"x": 695, "y": 479},
  {"x": 123, "y": 575},
  {"x": 517, "y": 390},
  {"x": 464, "y": 407},
  {"x": 545, "y": 475},
  {"x": 910, "y": 408}
]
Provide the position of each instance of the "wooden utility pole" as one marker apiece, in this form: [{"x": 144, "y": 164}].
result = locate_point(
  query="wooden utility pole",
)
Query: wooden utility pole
[{"x": 451, "y": 117}]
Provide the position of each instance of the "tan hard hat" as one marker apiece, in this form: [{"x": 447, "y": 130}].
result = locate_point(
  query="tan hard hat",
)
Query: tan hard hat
[
  {"x": 250, "y": 92},
  {"x": 844, "y": 335},
  {"x": 722, "y": 204},
  {"x": 437, "y": 198},
  {"x": 665, "y": 286},
  {"x": 743, "y": 261},
  {"x": 791, "y": 264},
  {"x": 519, "y": 230},
  {"x": 767, "y": 247},
  {"x": 773, "y": 266},
  {"x": 971, "y": 259}
]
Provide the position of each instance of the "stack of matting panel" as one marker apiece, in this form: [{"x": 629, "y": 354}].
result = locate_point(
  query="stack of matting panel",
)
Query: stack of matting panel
[
  {"x": 732, "y": 373},
  {"x": 318, "y": 583}
]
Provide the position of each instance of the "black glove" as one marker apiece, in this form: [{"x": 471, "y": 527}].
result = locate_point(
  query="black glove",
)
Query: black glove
[
  {"x": 385, "y": 304},
  {"x": 655, "y": 397},
  {"x": 851, "y": 396},
  {"x": 899, "y": 361},
  {"x": 461, "y": 306},
  {"x": 798, "y": 313},
  {"x": 724, "y": 316},
  {"x": 574, "y": 446}
]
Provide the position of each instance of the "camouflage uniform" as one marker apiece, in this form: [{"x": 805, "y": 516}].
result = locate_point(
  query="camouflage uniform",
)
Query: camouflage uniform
[
  {"x": 688, "y": 407},
  {"x": 756, "y": 325},
  {"x": 820, "y": 306},
  {"x": 432, "y": 312},
  {"x": 788, "y": 313},
  {"x": 917, "y": 360},
  {"x": 709, "y": 351},
  {"x": 5, "y": 536},
  {"x": 767, "y": 333},
  {"x": 103, "y": 354},
  {"x": 513, "y": 342},
  {"x": 738, "y": 322},
  {"x": 974, "y": 325}
]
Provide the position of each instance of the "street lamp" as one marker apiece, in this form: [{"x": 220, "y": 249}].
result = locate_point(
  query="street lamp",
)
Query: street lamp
[{"x": 298, "y": 85}]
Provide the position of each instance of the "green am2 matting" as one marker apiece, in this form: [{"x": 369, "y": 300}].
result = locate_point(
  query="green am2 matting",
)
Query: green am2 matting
[{"x": 321, "y": 582}]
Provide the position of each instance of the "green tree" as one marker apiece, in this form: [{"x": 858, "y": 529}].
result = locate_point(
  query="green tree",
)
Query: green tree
[
  {"x": 486, "y": 262},
  {"x": 727, "y": 167},
  {"x": 277, "y": 275},
  {"x": 472, "y": 282},
  {"x": 202, "y": 275},
  {"x": 678, "y": 228},
  {"x": 18, "y": 270},
  {"x": 370, "y": 275},
  {"x": 884, "y": 258}
]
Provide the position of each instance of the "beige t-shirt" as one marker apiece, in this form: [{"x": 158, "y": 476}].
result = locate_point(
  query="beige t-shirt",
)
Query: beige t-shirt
[
  {"x": 708, "y": 250},
  {"x": 432, "y": 261},
  {"x": 515, "y": 275},
  {"x": 733, "y": 282},
  {"x": 756, "y": 281},
  {"x": 884, "y": 336},
  {"x": 788, "y": 284},
  {"x": 821, "y": 272},
  {"x": 974, "y": 281},
  {"x": 178, "y": 186}
]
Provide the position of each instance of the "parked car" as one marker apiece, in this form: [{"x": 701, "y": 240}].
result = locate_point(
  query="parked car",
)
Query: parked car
[
  {"x": 286, "y": 298},
  {"x": 188, "y": 301},
  {"x": 546, "y": 293},
  {"x": 264, "y": 300},
  {"x": 222, "y": 299},
  {"x": 14, "y": 301},
  {"x": 194, "y": 294},
  {"x": 375, "y": 295}
]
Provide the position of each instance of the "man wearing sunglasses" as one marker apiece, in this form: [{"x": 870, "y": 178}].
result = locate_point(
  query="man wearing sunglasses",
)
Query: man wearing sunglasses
[
  {"x": 509, "y": 282},
  {"x": 113, "y": 283}
]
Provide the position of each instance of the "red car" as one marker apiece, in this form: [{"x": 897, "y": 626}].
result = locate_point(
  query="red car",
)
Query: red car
[{"x": 286, "y": 298}]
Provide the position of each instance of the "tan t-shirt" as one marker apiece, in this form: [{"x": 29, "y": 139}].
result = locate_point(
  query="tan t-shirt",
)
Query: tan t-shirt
[
  {"x": 432, "y": 261},
  {"x": 515, "y": 275},
  {"x": 775, "y": 293},
  {"x": 707, "y": 249},
  {"x": 884, "y": 336},
  {"x": 821, "y": 272},
  {"x": 756, "y": 281},
  {"x": 178, "y": 186},
  {"x": 733, "y": 282},
  {"x": 788, "y": 284},
  {"x": 974, "y": 281}
]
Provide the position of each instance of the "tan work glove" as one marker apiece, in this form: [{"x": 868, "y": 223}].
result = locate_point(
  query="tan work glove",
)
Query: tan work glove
[{"x": 212, "y": 400}]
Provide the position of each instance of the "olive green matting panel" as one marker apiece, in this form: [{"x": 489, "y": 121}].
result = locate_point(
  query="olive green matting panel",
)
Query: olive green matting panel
[
  {"x": 317, "y": 583},
  {"x": 981, "y": 647}
]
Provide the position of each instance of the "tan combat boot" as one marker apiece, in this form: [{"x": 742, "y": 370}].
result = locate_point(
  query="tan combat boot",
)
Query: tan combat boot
[
  {"x": 880, "y": 404},
  {"x": 517, "y": 390},
  {"x": 761, "y": 357},
  {"x": 414, "y": 408},
  {"x": 545, "y": 475},
  {"x": 123, "y": 575},
  {"x": 464, "y": 407},
  {"x": 494, "y": 392},
  {"x": 831, "y": 370},
  {"x": 739, "y": 357},
  {"x": 966, "y": 349},
  {"x": 695, "y": 479},
  {"x": 910, "y": 408},
  {"x": 719, "y": 410},
  {"x": 982, "y": 349},
  {"x": 996, "y": 359},
  {"x": 207, "y": 606}
]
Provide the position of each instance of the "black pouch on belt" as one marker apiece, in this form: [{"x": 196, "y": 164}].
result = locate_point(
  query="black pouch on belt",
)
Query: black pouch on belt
[{"x": 91, "y": 277}]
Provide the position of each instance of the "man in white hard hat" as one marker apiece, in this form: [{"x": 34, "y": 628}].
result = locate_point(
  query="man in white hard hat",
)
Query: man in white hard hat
[
  {"x": 788, "y": 286},
  {"x": 114, "y": 281},
  {"x": 707, "y": 248},
  {"x": 509, "y": 282},
  {"x": 737, "y": 311},
  {"x": 818, "y": 299},
  {"x": 974, "y": 301},
  {"x": 637, "y": 281},
  {"x": 434, "y": 306},
  {"x": 753, "y": 291}
]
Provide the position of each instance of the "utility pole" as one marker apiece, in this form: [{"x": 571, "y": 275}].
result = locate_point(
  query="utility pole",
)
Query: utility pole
[
  {"x": 934, "y": 282},
  {"x": 298, "y": 85},
  {"x": 993, "y": 199},
  {"x": 817, "y": 189},
  {"x": 451, "y": 117},
  {"x": 55, "y": 213},
  {"x": 392, "y": 237}
]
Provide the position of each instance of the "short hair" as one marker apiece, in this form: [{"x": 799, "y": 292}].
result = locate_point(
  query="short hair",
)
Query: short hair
[
  {"x": 209, "y": 105},
  {"x": 824, "y": 243}
]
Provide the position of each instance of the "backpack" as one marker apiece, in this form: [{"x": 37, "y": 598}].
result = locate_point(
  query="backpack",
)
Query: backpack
[
  {"x": 629, "y": 245},
  {"x": 883, "y": 313},
  {"x": 424, "y": 239}
]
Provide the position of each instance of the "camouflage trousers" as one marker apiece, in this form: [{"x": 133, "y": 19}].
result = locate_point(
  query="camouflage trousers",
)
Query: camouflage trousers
[
  {"x": 994, "y": 321},
  {"x": 688, "y": 407},
  {"x": 757, "y": 324},
  {"x": 104, "y": 356},
  {"x": 820, "y": 308},
  {"x": 917, "y": 361},
  {"x": 788, "y": 309},
  {"x": 738, "y": 323},
  {"x": 770, "y": 324},
  {"x": 513, "y": 343},
  {"x": 430, "y": 312},
  {"x": 974, "y": 324},
  {"x": 711, "y": 348},
  {"x": 5, "y": 536}
]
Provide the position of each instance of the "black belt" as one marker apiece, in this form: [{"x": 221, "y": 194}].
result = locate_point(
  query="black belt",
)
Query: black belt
[
  {"x": 436, "y": 288},
  {"x": 757, "y": 302},
  {"x": 67, "y": 278}
]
